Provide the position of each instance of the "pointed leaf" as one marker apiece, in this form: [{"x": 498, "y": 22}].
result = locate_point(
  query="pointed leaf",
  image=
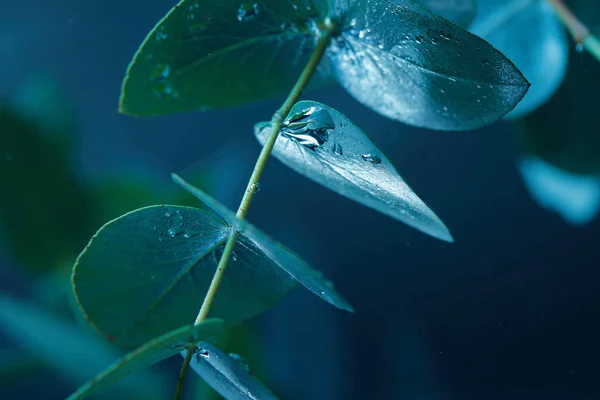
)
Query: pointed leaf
[
  {"x": 194, "y": 57},
  {"x": 459, "y": 12},
  {"x": 418, "y": 68},
  {"x": 74, "y": 354},
  {"x": 289, "y": 262},
  {"x": 146, "y": 273},
  {"x": 576, "y": 198},
  {"x": 151, "y": 353},
  {"x": 349, "y": 163},
  {"x": 226, "y": 375},
  {"x": 530, "y": 34}
]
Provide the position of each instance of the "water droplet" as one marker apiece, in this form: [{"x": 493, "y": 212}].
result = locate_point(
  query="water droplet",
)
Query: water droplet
[
  {"x": 254, "y": 187},
  {"x": 175, "y": 231},
  {"x": 373, "y": 159},
  {"x": 309, "y": 127},
  {"x": 167, "y": 214},
  {"x": 241, "y": 361},
  {"x": 160, "y": 72},
  {"x": 337, "y": 149},
  {"x": 160, "y": 33},
  {"x": 442, "y": 90},
  {"x": 248, "y": 10},
  {"x": 579, "y": 47},
  {"x": 163, "y": 89},
  {"x": 485, "y": 62}
]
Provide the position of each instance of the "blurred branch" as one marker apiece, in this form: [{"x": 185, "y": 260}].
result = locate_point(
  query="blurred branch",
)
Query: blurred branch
[{"x": 580, "y": 33}]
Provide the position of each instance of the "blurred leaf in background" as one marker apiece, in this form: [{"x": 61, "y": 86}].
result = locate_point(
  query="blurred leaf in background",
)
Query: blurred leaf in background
[{"x": 560, "y": 143}]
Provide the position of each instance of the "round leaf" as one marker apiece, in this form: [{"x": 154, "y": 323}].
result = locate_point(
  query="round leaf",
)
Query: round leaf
[
  {"x": 418, "y": 68},
  {"x": 350, "y": 164},
  {"x": 149, "y": 354},
  {"x": 220, "y": 53},
  {"x": 530, "y": 34},
  {"x": 284, "y": 258},
  {"x": 146, "y": 273}
]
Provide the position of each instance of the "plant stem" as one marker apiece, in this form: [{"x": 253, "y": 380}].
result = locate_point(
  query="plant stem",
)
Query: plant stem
[
  {"x": 580, "y": 33},
  {"x": 276, "y": 122}
]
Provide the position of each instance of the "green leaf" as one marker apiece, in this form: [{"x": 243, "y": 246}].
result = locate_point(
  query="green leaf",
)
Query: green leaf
[
  {"x": 151, "y": 353},
  {"x": 62, "y": 345},
  {"x": 418, "y": 68},
  {"x": 459, "y": 12},
  {"x": 220, "y": 53},
  {"x": 289, "y": 262},
  {"x": 225, "y": 375},
  {"x": 146, "y": 273},
  {"x": 342, "y": 158},
  {"x": 42, "y": 234}
]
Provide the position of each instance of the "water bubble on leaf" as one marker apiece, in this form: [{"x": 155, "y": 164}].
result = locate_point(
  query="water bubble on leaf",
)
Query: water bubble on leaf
[
  {"x": 164, "y": 90},
  {"x": 248, "y": 10},
  {"x": 160, "y": 72},
  {"x": 160, "y": 33},
  {"x": 373, "y": 159},
  {"x": 309, "y": 127}
]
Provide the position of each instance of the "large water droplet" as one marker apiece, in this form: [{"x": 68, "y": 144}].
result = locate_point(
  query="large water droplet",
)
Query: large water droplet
[
  {"x": 373, "y": 159},
  {"x": 254, "y": 187},
  {"x": 248, "y": 10}
]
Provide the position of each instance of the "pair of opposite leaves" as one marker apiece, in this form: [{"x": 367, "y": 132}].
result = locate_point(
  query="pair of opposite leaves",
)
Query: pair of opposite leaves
[{"x": 393, "y": 56}]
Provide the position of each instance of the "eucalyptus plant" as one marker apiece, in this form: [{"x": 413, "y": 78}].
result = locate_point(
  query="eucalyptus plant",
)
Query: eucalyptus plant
[{"x": 169, "y": 279}]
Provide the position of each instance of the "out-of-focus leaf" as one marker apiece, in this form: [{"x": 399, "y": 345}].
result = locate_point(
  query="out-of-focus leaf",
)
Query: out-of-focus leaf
[
  {"x": 418, "y": 68},
  {"x": 224, "y": 374},
  {"x": 576, "y": 198},
  {"x": 459, "y": 12},
  {"x": 17, "y": 365},
  {"x": 219, "y": 53},
  {"x": 146, "y": 273},
  {"x": 72, "y": 353},
  {"x": 530, "y": 34},
  {"x": 149, "y": 354},
  {"x": 44, "y": 207},
  {"x": 289, "y": 262},
  {"x": 325, "y": 146},
  {"x": 564, "y": 132}
]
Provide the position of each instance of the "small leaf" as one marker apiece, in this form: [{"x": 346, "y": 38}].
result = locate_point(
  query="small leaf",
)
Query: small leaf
[
  {"x": 459, "y": 12},
  {"x": 149, "y": 354},
  {"x": 349, "y": 163},
  {"x": 146, "y": 273},
  {"x": 62, "y": 345},
  {"x": 225, "y": 375},
  {"x": 530, "y": 34},
  {"x": 289, "y": 262},
  {"x": 576, "y": 198},
  {"x": 194, "y": 57},
  {"x": 415, "y": 67}
]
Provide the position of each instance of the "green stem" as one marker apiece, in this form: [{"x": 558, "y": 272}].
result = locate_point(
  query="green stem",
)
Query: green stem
[
  {"x": 580, "y": 33},
  {"x": 276, "y": 122}
]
